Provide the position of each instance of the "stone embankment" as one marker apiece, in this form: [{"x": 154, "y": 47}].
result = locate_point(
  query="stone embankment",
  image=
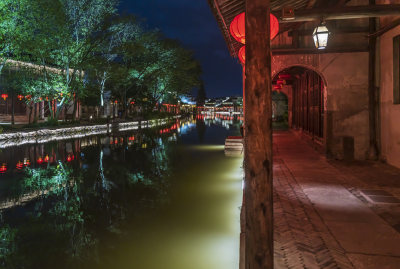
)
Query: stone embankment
[{"x": 45, "y": 135}]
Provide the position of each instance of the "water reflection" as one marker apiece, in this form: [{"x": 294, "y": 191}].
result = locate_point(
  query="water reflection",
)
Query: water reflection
[{"x": 149, "y": 199}]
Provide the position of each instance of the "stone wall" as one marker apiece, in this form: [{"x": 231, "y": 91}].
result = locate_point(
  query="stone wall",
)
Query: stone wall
[
  {"x": 345, "y": 76},
  {"x": 390, "y": 112}
]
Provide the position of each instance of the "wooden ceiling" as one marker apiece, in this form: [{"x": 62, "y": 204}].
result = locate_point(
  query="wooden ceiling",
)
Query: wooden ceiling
[{"x": 226, "y": 10}]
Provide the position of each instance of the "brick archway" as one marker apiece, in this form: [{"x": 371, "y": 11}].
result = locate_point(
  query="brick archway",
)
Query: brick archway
[
  {"x": 306, "y": 90},
  {"x": 345, "y": 79}
]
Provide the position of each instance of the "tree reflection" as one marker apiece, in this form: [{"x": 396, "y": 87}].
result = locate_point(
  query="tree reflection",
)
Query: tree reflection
[
  {"x": 74, "y": 211},
  {"x": 201, "y": 129}
]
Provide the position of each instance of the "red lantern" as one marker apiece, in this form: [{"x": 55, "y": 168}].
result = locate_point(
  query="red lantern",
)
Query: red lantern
[
  {"x": 20, "y": 97},
  {"x": 277, "y": 87},
  {"x": 238, "y": 27},
  {"x": 242, "y": 55},
  {"x": 284, "y": 76},
  {"x": 4, "y": 96},
  {"x": 281, "y": 81}
]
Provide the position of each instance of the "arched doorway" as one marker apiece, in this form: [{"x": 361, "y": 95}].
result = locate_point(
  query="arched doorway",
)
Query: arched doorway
[{"x": 305, "y": 90}]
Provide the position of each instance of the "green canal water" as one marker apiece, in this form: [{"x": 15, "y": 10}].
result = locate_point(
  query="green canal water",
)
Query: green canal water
[{"x": 165, "y": 198}]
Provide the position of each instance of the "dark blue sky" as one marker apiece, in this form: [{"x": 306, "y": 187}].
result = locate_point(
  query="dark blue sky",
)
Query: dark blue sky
[{"x": 192, "y": 22}]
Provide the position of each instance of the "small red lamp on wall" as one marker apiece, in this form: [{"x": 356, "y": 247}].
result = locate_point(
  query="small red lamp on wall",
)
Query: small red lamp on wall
[
  {"x": 20, "y": 97},
  {"x": 4, "y": 96},
  {"x": 238, "y": 27},
  {"x": 40, "y": 160},
  {"x": 3, "y": 168}
]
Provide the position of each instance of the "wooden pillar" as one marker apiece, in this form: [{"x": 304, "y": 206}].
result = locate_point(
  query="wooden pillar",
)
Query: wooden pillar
[
  {"x": 258, "y": 138},
  {"x": 373, "y": 147},
  {"x": 244, "y": 86}
]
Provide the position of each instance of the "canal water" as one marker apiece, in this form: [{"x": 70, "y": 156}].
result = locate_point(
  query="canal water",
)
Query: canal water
[{"x": 165, "y": 198}]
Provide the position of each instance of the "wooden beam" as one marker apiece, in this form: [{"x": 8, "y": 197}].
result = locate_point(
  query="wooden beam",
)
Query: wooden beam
[
  {"x": 343, "y": 13},
  {"x": 358, "y": 30},
  {"x": 258, "y": 201},
  {"x": 288, "y": 51},
  {"x": 216, "y": 6},
  {"x": 386, "y": 28}
]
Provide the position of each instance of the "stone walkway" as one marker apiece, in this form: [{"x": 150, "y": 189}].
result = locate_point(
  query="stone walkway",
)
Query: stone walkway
[{"x": 330, "y": 214}]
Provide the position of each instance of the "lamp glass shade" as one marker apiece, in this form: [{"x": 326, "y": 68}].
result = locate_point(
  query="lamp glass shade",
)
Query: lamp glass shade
[{"x": 321, "y": 36}]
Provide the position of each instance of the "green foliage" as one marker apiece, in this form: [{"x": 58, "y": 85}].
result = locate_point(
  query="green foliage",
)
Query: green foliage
[
  {"x": 78, "y": 50},
  {"x": 52, "y": 179},
  {"x": 7, "y": 239}
]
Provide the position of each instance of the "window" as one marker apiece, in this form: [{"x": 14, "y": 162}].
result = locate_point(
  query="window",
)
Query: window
[{"x": 396, "y": 69}]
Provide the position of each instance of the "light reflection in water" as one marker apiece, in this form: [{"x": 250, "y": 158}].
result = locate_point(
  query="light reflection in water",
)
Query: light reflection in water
[{"x": 111, "y": 202}]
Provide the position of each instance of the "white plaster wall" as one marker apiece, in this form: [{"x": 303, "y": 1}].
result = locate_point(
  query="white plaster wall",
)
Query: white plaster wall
[
  {"x": 390, "y": 113},
  {"x": 347, "y": 99},
  {"x": 346, "y": 92}
]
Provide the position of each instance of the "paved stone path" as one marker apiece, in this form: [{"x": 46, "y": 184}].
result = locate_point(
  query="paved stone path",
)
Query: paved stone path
[{"x": 322, "y": 217}]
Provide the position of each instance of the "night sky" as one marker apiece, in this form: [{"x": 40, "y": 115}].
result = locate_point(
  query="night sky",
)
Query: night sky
[{"x": 192, "y": 22}]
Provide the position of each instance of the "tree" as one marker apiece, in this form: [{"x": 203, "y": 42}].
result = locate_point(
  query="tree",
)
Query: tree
[
  {"x": 177, "y": 72},
  {"x": 14, "y": 28},
  {"x": 118, "y": 32},
  {"x": 65, "y": 37},
  {"x": 201, "y": 95}
]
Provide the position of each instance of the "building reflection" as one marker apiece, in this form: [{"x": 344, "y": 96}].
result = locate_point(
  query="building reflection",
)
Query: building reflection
[{"x": 69, "y": 196}]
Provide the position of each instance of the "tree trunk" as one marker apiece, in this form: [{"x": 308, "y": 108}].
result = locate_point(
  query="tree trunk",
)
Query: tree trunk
[
  {"x": 12, "y": 108},
  {"x": 30, "y": 113},
  {"x": 74, "y": 116},
  {"x": 258, "y": 201},
  {"x": 35, "y": 113}
]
